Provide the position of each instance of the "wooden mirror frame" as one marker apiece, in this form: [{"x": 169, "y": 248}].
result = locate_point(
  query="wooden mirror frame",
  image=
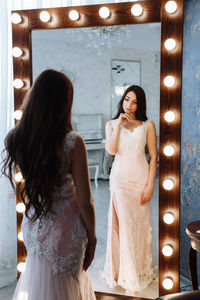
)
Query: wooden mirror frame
[{"x": 170, "y": 100}]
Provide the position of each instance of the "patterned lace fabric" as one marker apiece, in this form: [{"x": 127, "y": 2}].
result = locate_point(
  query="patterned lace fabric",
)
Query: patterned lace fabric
[{"x": 60, "y": 235}]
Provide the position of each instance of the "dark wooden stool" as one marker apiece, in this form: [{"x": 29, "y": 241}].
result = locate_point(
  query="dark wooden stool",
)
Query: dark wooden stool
[{"x": 193, "y": 231}]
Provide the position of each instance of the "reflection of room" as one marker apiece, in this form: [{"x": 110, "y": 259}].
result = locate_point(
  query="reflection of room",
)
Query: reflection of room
[{"x": 92, "y": 76}]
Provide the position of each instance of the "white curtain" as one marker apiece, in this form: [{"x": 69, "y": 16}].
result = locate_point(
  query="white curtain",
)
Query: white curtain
[{"x": 8, "y": 239}]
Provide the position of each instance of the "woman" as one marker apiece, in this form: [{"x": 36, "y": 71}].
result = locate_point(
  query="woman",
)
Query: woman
[
  {"x": 128, "y": 255},
  {"x": 59, "y": 222}
]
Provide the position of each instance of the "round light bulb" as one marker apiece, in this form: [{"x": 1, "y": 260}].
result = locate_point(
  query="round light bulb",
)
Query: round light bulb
[
  {"x": 18, "y": 83},
  {"x": 104, "y": 12},
  {"x": 168, "y": 150},
  {"x": 170, "y": 44},
  {"x": 168, "y": 283},
  {"x": 169, "y": 81},
  {"x": 17, "y": 52},
  {"x": 168, "y": 184},
  {"x": 16, "y": 18},
  {"x": 21, "y": 267},
  {"x": 20, "y": 236},
  {"x": 169, "y": 116},
  {"x": 74, "y": 15},
  {"x": 18, "y": 177},
  {"x": 20, "y": 207},
  {"x": 167, "y": 250},
  {"x": 168, "y": 218},
  {"x": 45, "y": 16},
  {"x": 171, "y": 7},
  {"x": 17, "y": 114},
  {"x": 136, "y": 10}
]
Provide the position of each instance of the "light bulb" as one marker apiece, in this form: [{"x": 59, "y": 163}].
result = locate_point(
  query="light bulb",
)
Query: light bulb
[
  {"x": 21, "y": 267},
  {"x": 74, "y": 15},
  {"x": 171, "y": 7},
  {"x": 168, "y": 218},
  {"x": 17, "y": 114},
  {"x": 17, "y": 52},
  {"x": 104, "y": 12},
  {"x": 168, "y": 150},
  {"x": 168, "y": 184},
  {"x": 168, "y": 283},
  {"x": 16, "y": 18},
  {"x": 169, "y": 116},
  {"x": 136, "y": 10},
  {"x": 20, "y": 207},
  {"x": 170, "y": 44},
  {"x": 20, "y": 236},
  {"x": 169, "y": 81},
  {"x": 167, "y": 250},
  {"x": 45, "y": 16},
  {"x": 18, "y": 177},
  {"x": 18, "y": 83}
]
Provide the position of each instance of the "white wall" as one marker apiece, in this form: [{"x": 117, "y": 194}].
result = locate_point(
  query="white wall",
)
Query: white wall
[{"x": 92, "y": 73}]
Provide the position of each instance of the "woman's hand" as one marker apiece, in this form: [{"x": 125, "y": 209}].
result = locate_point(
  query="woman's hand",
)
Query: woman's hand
[
  {"x": 89, "y": 253},
  {"x": 146, "y": 194},
  {"x": 123, "y": 117}
]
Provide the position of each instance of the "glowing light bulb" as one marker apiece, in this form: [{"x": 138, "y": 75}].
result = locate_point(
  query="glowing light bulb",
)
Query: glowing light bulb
[
  {"x": 168, "y": 283},
  {"x": 168, "y": 150},
  {"x": 168, "y": 184},
  {"x": 167, "y": 250},
  {"x": 21, "y": 267},
  {"x": 20, "y": 207},
  {"x": 104, "y": 12},
  {"x": 169, "y": 81},
  {"x": 17, "y": 114},
  {"x": 168, "y": 218},
  {"x": 18, "y": 177},
  {"x": 16, "y": 18},
  {"x": 45, "y": 16},
  {"x": 136, "y": 10},
  {"x": 170, "y": 44},
  {"x": 169, "y": 116},
  {"x": 17, "y": 52},
  {"x": 18, "y": 83},
  {"x": 20, "y": 236},
  {"x": 74, "y": 15},
  {"x": 171, "y": 7}
]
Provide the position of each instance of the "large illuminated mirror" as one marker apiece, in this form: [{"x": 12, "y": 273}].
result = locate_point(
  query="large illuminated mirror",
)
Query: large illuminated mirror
[
  {"x": 100, "y": 68},
  {"x": 101, "y": 63}
]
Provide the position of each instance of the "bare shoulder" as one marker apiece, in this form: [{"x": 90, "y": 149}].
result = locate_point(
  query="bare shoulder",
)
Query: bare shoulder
[
  {"x": 80, "y": 143},
  {"x": 150, "y": 125}
]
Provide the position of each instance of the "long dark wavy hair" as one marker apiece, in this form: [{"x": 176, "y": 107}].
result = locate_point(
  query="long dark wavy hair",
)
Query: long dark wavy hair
[
  {"x": 35, "y": 145},
  {"x": 140, "y": 113}
]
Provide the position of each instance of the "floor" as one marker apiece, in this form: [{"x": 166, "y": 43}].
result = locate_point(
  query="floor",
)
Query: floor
[{"x": 101, "y": 200}]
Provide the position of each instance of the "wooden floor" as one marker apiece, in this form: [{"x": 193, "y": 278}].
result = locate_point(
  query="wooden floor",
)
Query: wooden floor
[{"x": 106, "y": 296}]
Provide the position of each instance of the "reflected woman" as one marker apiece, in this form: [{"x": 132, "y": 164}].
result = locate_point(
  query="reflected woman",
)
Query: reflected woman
[{"x": 128, "y": 255}]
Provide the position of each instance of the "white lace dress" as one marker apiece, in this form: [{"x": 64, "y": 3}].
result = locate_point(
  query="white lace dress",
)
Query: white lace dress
[
  {"x": 56, "y": 247},
  {"x": 129, "y": 256}
]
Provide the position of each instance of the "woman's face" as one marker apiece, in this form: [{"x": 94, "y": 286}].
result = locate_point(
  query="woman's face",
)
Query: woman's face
[{"x": 130, "y": 103}]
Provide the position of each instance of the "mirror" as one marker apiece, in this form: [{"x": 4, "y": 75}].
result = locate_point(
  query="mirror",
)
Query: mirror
[
  {"x": 101, "y": 62},
  {"x": 170, "y": 103}
]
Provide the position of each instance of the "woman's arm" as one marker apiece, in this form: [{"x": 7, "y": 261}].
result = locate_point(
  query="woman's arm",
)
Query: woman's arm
[
  {"x": 112, "y": 134},
  {"x": 84, "y": 197},
  {"x": 112, "y": 138},
  {"x": 152, "y": 148}
]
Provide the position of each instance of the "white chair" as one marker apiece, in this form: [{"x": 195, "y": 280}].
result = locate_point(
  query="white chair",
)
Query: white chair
[{"x": 94, "y": 164}]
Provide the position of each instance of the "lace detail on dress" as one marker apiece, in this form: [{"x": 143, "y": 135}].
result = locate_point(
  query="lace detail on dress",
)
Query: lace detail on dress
[{"x": 60, "y": 235}]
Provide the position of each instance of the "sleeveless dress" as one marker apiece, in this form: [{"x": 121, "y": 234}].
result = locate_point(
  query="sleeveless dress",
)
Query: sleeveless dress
[
  {"x": 56, "y": 245},
  {"x": 128, "y": 255}
]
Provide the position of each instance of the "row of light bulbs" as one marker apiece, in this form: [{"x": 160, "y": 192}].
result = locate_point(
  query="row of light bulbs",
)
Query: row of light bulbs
[
  {"x": 169, "y": 81},
  {"x": 104, "y": 12}
]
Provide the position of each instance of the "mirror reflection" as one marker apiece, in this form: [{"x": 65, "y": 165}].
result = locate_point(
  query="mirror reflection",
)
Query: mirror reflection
[{"x": 102, "y": 63}]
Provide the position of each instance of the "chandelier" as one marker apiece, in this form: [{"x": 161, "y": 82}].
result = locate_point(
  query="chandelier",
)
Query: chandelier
[{"x": 98, "y": 37}]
